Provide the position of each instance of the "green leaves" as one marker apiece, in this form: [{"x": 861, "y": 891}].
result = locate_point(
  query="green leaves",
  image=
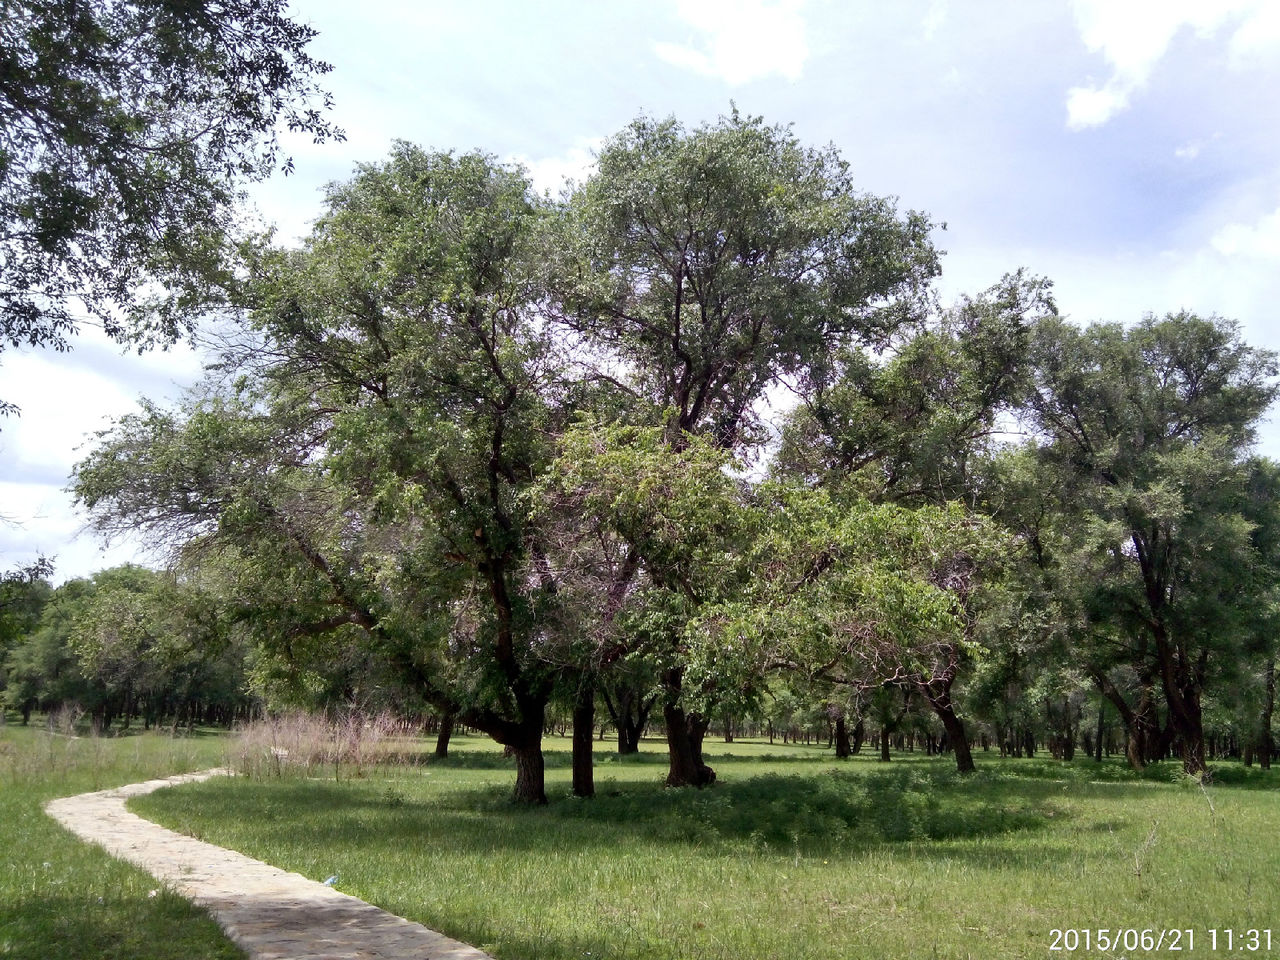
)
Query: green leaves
[
  {"x": 859, "y": 592},
  {"x": 126, "y": 132},
  {"x": 715, "y": 261}
]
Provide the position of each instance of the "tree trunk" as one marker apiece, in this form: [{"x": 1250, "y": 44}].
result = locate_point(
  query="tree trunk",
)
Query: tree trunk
[
  {"x": 685, "y": 767},
  {"x": 844, "y": 749},
  {"x": 443, "y": 735},
  {"x": 684, "y": 749},
  {"x": 628, "y": 740},
  {"x": 530, "y": 771},
  {"x": 957, "y": 735},
  {"x": 1268, "y": 707},
  {"x": 584, "y": 722},
  {"x": 1142, "y": 733},
  {"x": 1102, "y": 731},
  {"x": 1188, "y": 724},
  {"x": 684, "y": 738},
  {"x": 938, "y": 694},
  {"x": 884, "y": 745},
  {"x": 1182, "y": 682},
  {"x": 859, "y": 735},
  {"x": 630, "y": 715}
]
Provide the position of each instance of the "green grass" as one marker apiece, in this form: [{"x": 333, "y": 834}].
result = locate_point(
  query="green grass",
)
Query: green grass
[
  {"x": 63, "y": 898},
  {"x": 790, "y": 855}
]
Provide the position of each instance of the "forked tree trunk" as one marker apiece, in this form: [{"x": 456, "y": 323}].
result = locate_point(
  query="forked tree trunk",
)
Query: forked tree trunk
[
  {"x": 859, "y": 735},
  {"x": 584, "y": 722},
  {"x": 684, "y": 738},
  {"x": 630, "y": 715},
  {"x": 1142, "y": 732}
]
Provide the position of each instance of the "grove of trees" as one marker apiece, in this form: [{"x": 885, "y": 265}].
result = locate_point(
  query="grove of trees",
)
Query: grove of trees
[{"x": 695, "y": 440}]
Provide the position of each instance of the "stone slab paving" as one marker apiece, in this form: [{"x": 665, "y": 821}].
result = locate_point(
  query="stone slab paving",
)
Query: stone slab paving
[{"x": 269, "y": 913}]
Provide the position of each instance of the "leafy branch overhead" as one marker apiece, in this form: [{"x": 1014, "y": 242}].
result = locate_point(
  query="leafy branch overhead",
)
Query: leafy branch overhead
[{"x": 127, "y": 132}]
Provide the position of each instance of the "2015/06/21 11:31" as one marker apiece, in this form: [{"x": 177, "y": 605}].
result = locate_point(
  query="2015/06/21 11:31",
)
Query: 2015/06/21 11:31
[
  {"x": 1106, "y": 939},
  {"x": 1251, "y": 940}
]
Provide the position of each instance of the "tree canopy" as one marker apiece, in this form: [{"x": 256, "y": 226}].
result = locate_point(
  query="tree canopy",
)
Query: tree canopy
[
  {"x": 127, "y": 130},
  {"x": 505, "y": 453}
]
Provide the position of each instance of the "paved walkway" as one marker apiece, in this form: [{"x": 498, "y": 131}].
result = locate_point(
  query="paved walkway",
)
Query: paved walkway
[{"x": 269, "y": 913}]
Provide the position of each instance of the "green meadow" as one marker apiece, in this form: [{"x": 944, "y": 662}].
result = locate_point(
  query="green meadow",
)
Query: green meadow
[
  {"x": 792, "y": 854},
  {"x": 61, "y": 898}
]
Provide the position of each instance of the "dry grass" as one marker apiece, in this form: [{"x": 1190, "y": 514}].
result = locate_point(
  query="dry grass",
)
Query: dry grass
[{"x": 308, "y": 743}]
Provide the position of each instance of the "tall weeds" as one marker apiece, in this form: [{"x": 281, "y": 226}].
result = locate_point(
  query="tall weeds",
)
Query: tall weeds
[{"x": 307, "y": 744}]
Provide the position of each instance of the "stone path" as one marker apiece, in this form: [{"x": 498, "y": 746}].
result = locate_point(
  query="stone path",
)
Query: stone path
[{"x": 270, "y": 913}]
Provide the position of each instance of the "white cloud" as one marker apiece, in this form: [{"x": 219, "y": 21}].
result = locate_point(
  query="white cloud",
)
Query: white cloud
[
  {"x": 1260, "y": 239},
  {"x": 1258, "y": 37},
  {"x": 935, "y": 18},
  {"x": 742, "y": 40},
  {"x": 64, "y": 399},
  {"x": 551, "y": 174},
  {"x": 1092, "y": 107},
  {"x": 1134, "y": 35}
]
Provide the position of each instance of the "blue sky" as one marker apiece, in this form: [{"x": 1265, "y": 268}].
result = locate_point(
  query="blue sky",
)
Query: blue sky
[{"x": 1130, "y": 151}]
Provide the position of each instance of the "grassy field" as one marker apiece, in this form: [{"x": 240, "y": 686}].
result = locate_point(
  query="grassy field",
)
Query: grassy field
[
  {"x": 791, "y": 855},
  {"x": 61, "y": 899}
]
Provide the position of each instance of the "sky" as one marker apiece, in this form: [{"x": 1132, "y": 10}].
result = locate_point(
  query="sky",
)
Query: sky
[{"x": 1129, "y": 151}]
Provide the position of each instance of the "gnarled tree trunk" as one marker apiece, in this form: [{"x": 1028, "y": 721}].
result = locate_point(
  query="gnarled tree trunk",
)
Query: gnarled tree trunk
[{"x": 684, "y": 739}]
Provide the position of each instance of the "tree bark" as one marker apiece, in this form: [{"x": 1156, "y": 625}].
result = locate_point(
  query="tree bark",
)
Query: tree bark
[
  {"x": 684, "y": 738},
  {"x": 530, "y": 771},
  {"x": 885, "y": 756},
  {"x": 1140, "y": 727},
  {"x": 630, "y": 715},
  {"x": 843, "y": 748},
  {"x": 443, "y": 735},
  {"x": 957, "y": 735},
  {"x": 584, "y": 722},
  {"x": 1097, "y": 747}
]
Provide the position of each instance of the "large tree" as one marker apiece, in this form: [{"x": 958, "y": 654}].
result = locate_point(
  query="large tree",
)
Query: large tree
[
  {"x": 701, "y": 268},
  {"x": 127, "y": 130},
  {"x": 1144, "y": 435},
  {"x": 396, "y": 399},
  {"x": 907, "y": 423}
]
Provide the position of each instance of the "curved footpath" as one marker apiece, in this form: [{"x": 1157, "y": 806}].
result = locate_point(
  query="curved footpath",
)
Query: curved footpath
[{"x": 270, "y": 913}]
